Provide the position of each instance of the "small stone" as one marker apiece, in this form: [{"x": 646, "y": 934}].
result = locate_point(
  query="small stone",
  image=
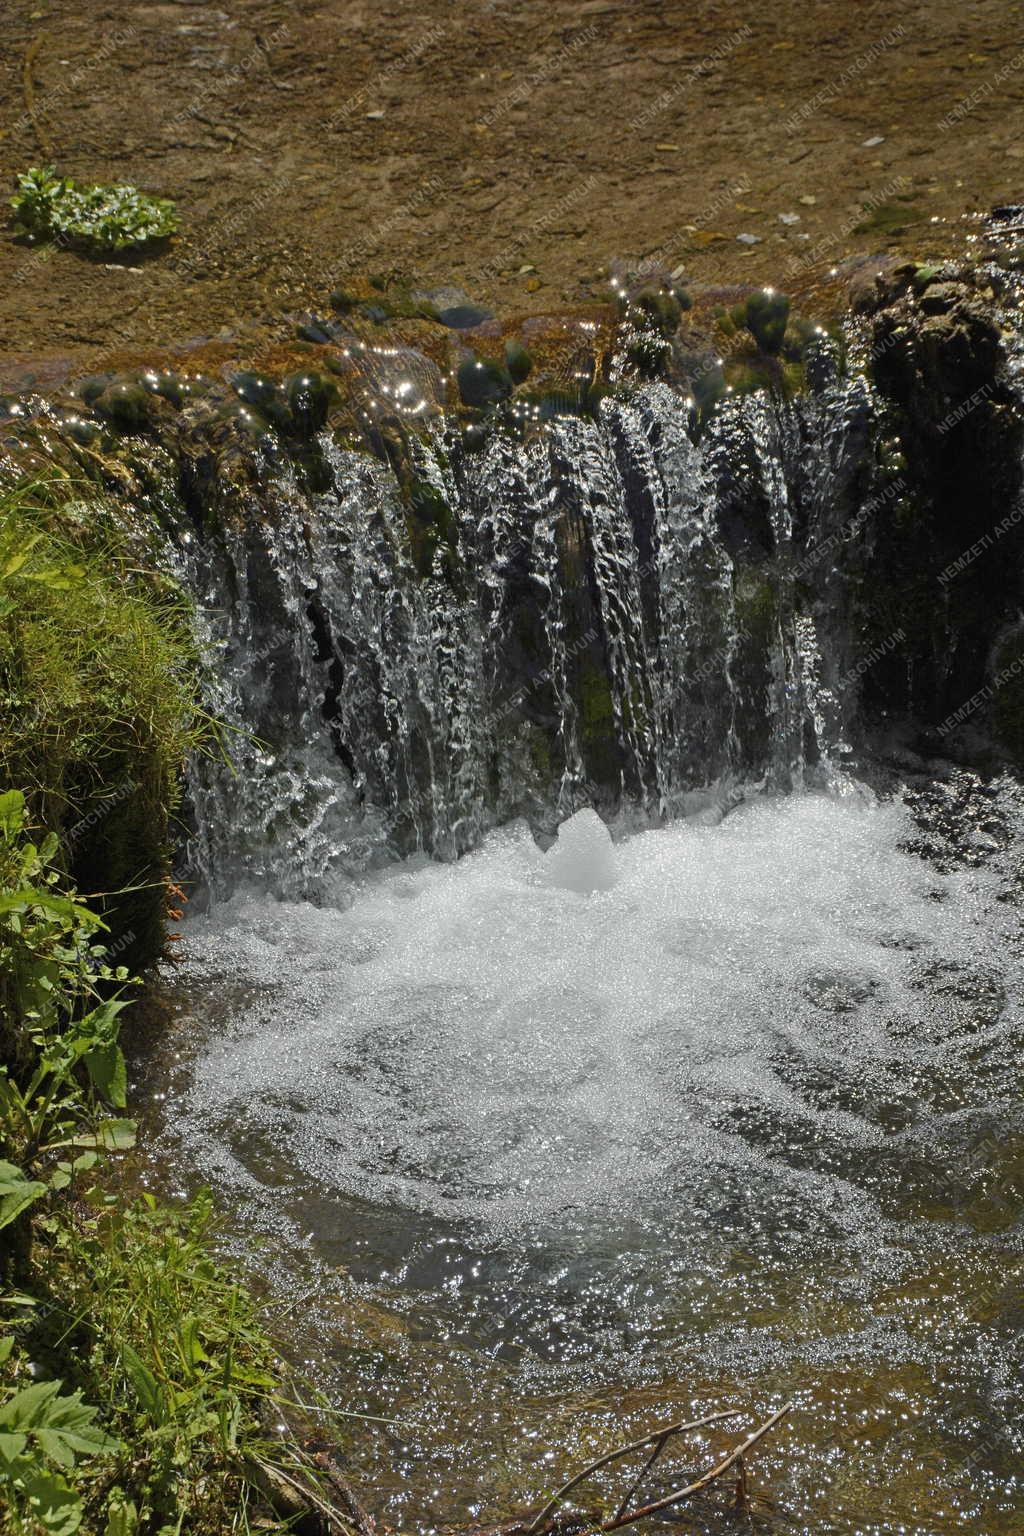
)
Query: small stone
[
  {"x": 463, "y": 317},
  {"x": 789, "y": 218},
  {"x": 808, "y": 201},
  {"x": 749, "y": 239},
  {"x": 375, "y": 115},
  {"x": 878, "y": 138},
  {"x": 667, "y": 148}
]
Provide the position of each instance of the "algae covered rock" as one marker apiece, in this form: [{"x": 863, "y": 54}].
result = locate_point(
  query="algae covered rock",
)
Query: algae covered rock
[
  {"x": 482, "y": 384},
  {"x": 126, "y": 404},
  {"x": 518, "y": 361}
]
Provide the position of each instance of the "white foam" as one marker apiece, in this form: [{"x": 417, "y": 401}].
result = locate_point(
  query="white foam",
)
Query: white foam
[{"x": 521, "y": 1036}]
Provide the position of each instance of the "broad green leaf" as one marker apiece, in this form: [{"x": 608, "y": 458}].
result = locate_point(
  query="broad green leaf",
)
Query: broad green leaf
[
  {"x": 122, "y": 1517},
  {"x": 12, "y": 811},
  {"x": 106, "y": 1068},
  {"x": 53, "y": 1504},
  {"x": 26, "y": 1408},
  {"x": 11, "y": 1446},
  {"x": 16, "y": 1193},
  {"x": 110, "y": 1135}
]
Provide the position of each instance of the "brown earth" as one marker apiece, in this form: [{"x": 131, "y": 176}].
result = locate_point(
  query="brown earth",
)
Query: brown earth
[{"x": 513, "y": 149}]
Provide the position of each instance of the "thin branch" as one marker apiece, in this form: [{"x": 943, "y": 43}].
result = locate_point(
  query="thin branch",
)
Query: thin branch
[
  {"x": 626, "y": 1450},
  {"x": 702, "y": 1482},
  {"x": 659, "y": 1446}
]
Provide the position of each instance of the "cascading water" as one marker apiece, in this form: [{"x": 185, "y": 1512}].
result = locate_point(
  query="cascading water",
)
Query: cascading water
[
  {"x": 565, "y": 1143},
  {"x": 600, "y": 632}
]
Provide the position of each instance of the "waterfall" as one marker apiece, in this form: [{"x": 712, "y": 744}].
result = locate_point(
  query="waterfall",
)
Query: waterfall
[{"x": 617, "y": 615}]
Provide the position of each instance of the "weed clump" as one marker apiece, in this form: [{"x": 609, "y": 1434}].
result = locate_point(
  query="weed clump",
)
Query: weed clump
[{"x": 92, "y": 217}]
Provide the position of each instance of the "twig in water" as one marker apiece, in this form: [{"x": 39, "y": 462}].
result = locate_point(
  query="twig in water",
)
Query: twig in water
[
  {"x": 618, "y": 1521},
  {"x": 638, "y": 1445}
]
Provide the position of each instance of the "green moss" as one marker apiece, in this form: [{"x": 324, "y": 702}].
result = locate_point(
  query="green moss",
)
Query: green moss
[
  {"x": 431, "y": 527},
  {"x": 659, "y": 305},
  {"x": 597, "y": 724},
  {"x": 756, "y": 604},
  {"x": 98, "y": 698}
]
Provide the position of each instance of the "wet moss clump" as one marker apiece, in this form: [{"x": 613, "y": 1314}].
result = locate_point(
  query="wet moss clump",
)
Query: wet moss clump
[
  {"x": 126, "y": 404},
  {"x": 518, "y": 361},
  {"x": 483, "y": 384},
  {"x": 765, "y": 316},
  {"x": 309, "y": 397}
]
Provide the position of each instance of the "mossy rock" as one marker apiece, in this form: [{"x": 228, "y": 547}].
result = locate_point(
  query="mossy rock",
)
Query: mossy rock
[
  {"x": 309, "y": 397},
  {"x": 766, "y": 315},
  {"x": 90, "y": 389},
  {"x": 263, "y": 395},
  {"x": 482, "y": 384},
  {"x": 169, "y": 386},
  {"x": 126, "y": 405},
  {"x": 82, "y": 432},
  {"x": 463, "y": 317},
  {"x": 518, "y": 361}
]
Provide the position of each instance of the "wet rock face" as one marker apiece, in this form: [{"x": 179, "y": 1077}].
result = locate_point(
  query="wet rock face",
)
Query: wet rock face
[
  {"x": 939, "y": 361},
  {"x": 962, "y": 820}
]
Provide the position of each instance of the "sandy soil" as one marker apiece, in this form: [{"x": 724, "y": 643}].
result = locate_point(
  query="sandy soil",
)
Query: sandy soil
[{"x": 514, "y": 149}]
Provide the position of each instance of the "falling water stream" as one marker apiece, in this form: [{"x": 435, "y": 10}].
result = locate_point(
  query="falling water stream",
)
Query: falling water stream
[{"x": 711, "y": 1100}]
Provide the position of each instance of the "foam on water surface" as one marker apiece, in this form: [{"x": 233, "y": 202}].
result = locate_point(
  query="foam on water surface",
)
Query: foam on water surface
[{"x": 597, "y": 1107}]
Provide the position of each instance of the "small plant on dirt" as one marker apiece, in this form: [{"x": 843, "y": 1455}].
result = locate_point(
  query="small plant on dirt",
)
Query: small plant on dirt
[{"x": 92, "y": 217}]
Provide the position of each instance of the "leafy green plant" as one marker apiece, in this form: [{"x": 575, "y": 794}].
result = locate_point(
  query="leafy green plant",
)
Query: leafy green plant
[
  {"x": 52, "y": 1119},
  {"x": 40, "y": 1428},
  {"x": 154, "y": 1367},
  {"x": 97, "y": 218}
]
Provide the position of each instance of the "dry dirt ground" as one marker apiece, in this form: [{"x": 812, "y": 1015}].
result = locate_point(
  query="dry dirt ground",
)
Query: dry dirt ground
[{"x": 513, "y": 149}]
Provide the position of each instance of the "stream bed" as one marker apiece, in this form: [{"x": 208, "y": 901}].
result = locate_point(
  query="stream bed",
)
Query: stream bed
[{"x": 538, "y": 1150}]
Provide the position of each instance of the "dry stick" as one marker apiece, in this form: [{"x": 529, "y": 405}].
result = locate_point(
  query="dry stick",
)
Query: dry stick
[
  {"x": 702, "y": 1482},
  {"x": 635, "y": 1484},
  {"x": 637, "y": 1445}
]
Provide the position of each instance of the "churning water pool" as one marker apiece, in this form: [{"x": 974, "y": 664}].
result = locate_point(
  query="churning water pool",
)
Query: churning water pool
[{"x": 538, "y": 1150}]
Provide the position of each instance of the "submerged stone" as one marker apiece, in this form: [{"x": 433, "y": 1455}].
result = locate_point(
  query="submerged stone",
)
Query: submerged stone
[{"x": 463, "y": 317}]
